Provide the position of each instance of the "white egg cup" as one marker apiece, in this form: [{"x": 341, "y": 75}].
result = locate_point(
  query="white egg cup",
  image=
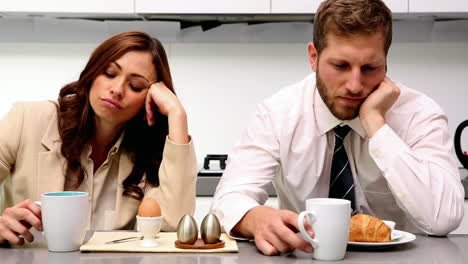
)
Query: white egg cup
[{"x": 149, "y": 227}]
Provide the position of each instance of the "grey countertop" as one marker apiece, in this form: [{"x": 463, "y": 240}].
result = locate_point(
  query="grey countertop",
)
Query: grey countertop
[{"x": 451, "y": 249}]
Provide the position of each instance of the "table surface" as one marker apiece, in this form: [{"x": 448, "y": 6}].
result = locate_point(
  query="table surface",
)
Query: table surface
[{"x": 424, "y": 249}]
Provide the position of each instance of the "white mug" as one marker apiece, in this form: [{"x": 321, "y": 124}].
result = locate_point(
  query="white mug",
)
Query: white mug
[
  {"x": 330, "y": 219},
  {"x": 64, "y": 218}
]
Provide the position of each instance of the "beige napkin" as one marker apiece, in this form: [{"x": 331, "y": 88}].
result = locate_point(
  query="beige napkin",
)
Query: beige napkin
[{"x": 165, "y": 239}]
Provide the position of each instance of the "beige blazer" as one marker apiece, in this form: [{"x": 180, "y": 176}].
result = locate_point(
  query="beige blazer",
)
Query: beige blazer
[{"x": 31, "y": 164}]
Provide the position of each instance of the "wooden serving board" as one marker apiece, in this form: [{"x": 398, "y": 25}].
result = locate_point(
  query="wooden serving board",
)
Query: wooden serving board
[
  {"x": 166, "y": 240},
  {"x": 199, "y": 244}
]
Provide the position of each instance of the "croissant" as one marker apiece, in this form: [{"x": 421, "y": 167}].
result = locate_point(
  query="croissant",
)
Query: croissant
[{"x": 366, "y": 228}]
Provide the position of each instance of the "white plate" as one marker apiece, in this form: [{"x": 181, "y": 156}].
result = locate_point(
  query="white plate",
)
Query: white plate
[
  {"x": 398, "y": 237},
  {"x": 397, "y": 234}
]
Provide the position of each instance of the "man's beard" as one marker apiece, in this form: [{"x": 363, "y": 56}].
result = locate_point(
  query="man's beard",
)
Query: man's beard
[{"x": 349, "y": 113}]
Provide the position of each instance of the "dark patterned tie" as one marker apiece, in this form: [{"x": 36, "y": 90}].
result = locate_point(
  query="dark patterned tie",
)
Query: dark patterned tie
[{"x": 341, "y": 178}]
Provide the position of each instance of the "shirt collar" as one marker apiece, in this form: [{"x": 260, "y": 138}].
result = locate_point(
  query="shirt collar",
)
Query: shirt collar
[
  {"x": 114, "y": 149},
  {"x": 326, "y": 121},
  {"x": 117, "y": 144}
]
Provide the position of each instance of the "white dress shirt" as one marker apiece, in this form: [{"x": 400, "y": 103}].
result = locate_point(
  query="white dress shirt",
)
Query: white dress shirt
[{"x": 406, "y": 172}]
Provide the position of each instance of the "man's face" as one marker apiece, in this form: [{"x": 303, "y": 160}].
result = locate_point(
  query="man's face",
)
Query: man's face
[{"x": 348, "y": 70}]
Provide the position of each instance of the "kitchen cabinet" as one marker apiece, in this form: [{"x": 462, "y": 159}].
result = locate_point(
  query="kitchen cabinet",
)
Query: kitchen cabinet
[
  {"x": 438, "y": 6},
  {"x": 131, "y": 8},
  {"x": 294, "y": 6},
  {"x": 398, "y": 6},
  {"x": 203, "y": 6},
  {"x": 310, "y": 6},
  {"x": 60, "y": 6}
]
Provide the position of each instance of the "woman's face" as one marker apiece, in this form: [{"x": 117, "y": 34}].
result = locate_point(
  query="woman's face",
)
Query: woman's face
[{"x": 119, "y": 93}]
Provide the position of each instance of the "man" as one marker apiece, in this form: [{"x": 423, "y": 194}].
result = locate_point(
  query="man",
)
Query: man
[{"x": 394, "y": 156}]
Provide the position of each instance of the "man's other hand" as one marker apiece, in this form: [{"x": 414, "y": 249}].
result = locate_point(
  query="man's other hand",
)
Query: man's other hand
[{"x": 274, "y": 230}]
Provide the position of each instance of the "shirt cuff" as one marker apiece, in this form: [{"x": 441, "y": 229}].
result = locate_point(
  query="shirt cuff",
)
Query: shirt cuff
[
  {"x": 179, "y": 144},
  {"x": 385, "y": 147},
  {"x": 231, "y": 209},
  {"x": 173, "y": 150}
]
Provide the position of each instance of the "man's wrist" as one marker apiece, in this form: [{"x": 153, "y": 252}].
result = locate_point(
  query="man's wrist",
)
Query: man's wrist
[
  {"x": 242, "y": 227},
  {"x": 372, "y": 123},
  {"x": 246, "y": 226}
]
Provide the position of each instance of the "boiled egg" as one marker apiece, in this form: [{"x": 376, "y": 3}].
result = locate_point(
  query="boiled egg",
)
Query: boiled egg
[{"x": 149, "y": 207}]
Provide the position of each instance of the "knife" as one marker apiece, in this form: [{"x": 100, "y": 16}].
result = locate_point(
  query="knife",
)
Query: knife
[{"x": 123, "y": 240}]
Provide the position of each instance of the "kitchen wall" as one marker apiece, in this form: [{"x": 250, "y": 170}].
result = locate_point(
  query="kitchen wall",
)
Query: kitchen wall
[{"x": 221, "y": 74}]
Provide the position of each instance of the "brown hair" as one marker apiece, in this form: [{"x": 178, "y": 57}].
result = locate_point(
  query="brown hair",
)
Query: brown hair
[
  {"x": 144, "y": 144},
  {"x": 351, "y": 17}
]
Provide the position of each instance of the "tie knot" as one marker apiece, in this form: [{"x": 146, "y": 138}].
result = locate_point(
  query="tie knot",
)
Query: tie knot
[{"x": 341, "y": 131}]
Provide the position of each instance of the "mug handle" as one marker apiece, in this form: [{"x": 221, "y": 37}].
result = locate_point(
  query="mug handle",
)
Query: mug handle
[
  {"x": 40, "y": 204},
  {"x": 300, "y": 222}
]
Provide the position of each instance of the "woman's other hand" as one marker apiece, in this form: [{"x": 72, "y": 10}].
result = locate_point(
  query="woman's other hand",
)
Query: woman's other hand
[
  {"x": 17, "y": 220},
  {"x": 168, "y": 104}
]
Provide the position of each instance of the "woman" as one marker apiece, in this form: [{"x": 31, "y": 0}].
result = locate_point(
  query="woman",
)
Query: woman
[{"x": 119, "y": 133}]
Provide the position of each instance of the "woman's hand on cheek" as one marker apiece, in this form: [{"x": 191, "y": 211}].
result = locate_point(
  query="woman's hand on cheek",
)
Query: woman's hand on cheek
[
  {"x": 165, "y": 100},
  {"x": 168, "y": 104}
]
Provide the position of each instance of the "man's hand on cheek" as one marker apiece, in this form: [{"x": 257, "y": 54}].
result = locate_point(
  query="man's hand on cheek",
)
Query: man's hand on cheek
[{"x": 374, "y": 108}]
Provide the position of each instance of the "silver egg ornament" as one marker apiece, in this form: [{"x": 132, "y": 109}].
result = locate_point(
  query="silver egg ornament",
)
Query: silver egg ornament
[
  {"x": 210, "y": 229},
  {"x": 187, "y": 230}
]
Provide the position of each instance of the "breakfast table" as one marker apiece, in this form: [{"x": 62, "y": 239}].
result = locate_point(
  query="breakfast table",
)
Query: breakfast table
[{"x": 424, "y": 249}]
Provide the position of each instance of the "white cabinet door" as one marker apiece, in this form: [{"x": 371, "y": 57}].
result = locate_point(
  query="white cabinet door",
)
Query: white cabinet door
[
  {"x": 398, "y": 6},
  {"x": 294, "y": 6},
  {"x": 70, "y": 6},
  {"x": 203, "y": 6},
  {"x": 438, "y": 6},
  {"x": 310, "y": 6}
]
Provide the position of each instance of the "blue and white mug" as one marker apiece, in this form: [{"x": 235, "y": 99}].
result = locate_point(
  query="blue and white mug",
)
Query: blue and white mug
[{"x": 64, "y": 219}]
